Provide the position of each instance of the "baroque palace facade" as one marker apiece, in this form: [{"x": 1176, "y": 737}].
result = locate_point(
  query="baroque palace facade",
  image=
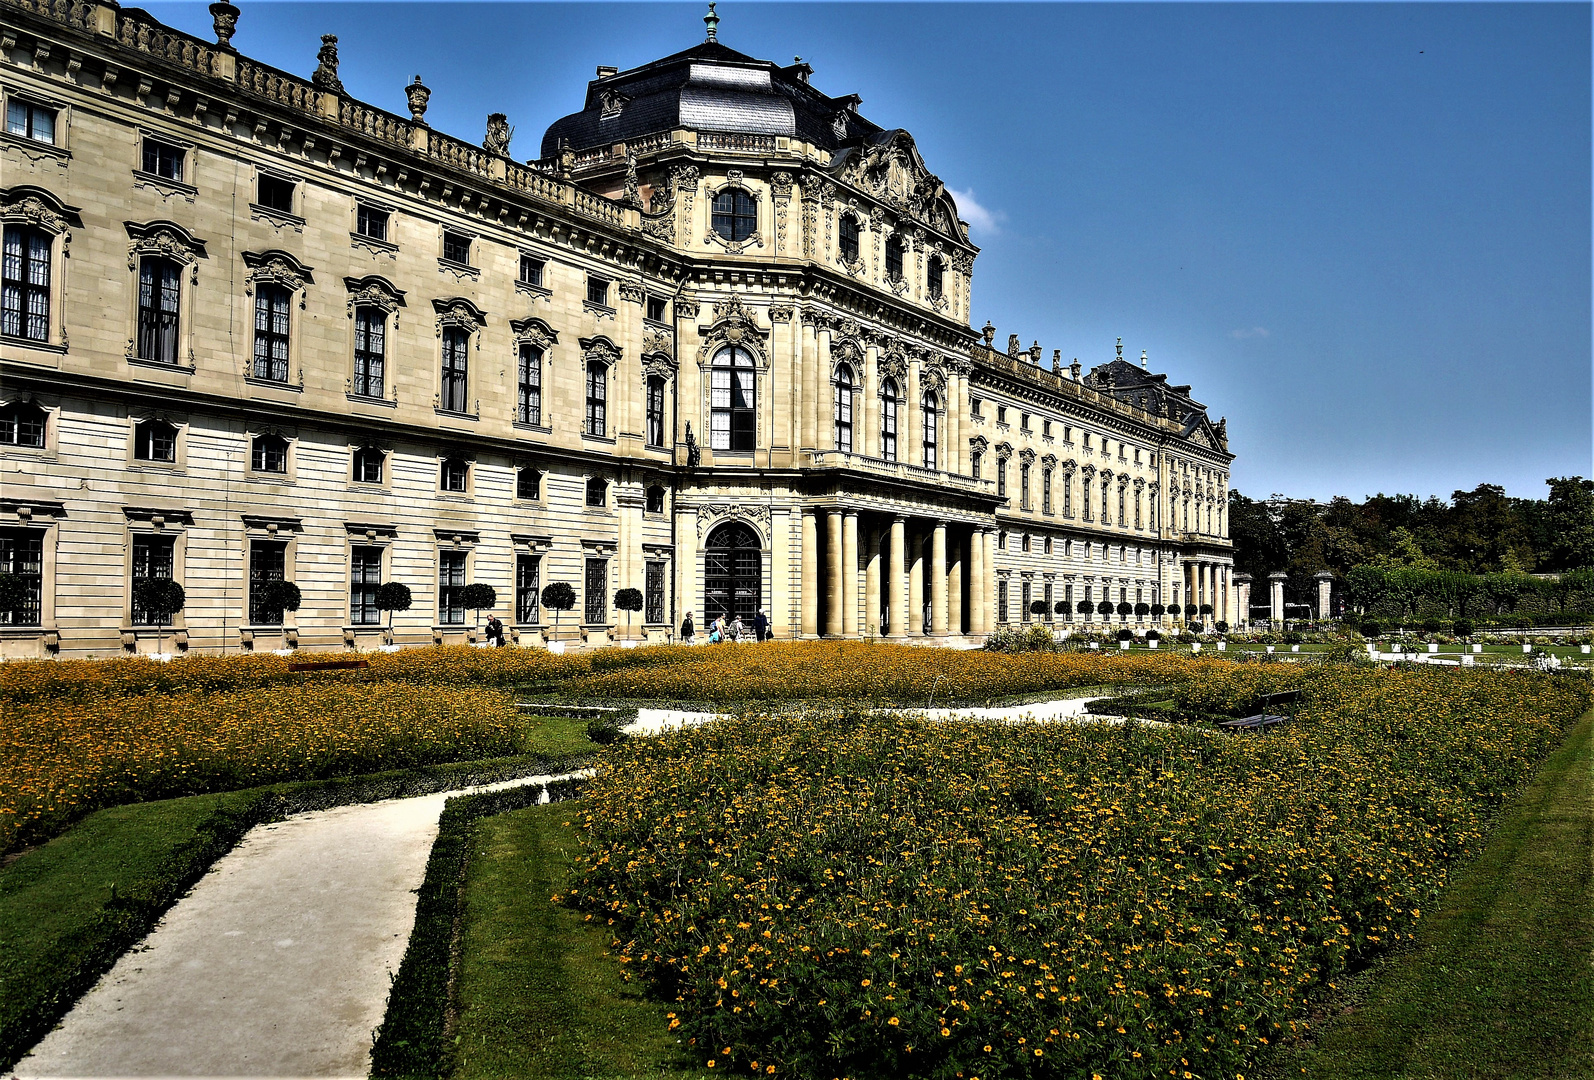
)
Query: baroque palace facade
[{"x": 714, "y": 345}]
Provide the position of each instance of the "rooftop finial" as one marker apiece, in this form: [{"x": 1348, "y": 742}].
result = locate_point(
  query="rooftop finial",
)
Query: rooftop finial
[
  {"x": 712, "y": 21},
  {"x": 1143, "y": 359},
  {"x": 1120, "y": 348}
]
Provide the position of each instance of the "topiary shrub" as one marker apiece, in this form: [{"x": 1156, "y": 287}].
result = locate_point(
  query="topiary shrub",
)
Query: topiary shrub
[
  {"x": 1221, "y": 627},
  {"x": 1104, "y": 608},
  {"x": 1061, "y": 607},
  {"x": 393, "y": 596},
  {"x": 558, "y": 597},
  {"x": 1293, "y": 637},
  {"x": 1157, "y": 610},
  {"x": 1125, "y": 608},
  {"x": 1206, "y": 609},
  {"x": 1085, "y": 607},
  {"x": 1142, "y": 610},
  {"x": 1037, "y": 607},
  {"x": 1152, "y": 635},
  {"x": 628, "y": 600},
  {"x": 1174, "y": 610},
  {"x": 1462, "y": 628},
  {"x": 162, "y": 598},
  {"x": 1126, "y": 634},
  {"x": 1371, "y": 628}
]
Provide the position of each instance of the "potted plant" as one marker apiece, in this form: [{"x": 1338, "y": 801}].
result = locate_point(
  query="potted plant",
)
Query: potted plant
[
  {"x": 1142, "y": 610},
  {"x": 1037, "y": 607},
  {"x": 558, "y": 597},
  {"x": 628, "y": 600},
  {"x": 478, "y": 597},
  {"x": 1105, "y": 609},
  {"x": 393, "y": 596},
  {"x": 162, "y": 598}
]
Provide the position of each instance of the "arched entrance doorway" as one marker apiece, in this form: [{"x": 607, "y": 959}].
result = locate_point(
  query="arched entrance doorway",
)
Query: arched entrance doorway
[{"x": 733, "y": 573}]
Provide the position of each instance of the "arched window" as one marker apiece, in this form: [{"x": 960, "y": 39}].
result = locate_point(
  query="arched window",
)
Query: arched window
[
  {"x": 528, "y": 379},
  {"x": 936, "y": 274},
  {"x": 155, "y": 440},
  {"x": 847, "y": 241},
  {"x": 894, "y": 252},
  {"x": 597, "y": 398},
  {"x": 733, "y": 422},
  {"x": 655, "y": 499},
  {"x": 456, "y": 351},
  {"x": 26, "y": 283},
  {"x": 735, "y": 215},
  {"x": 888, "y": 420},
  {"x": 931, "y": 432},
  {"x": 597, "y": 491},
  {"x": 22, "y": 424},
  {"x": 159, "y": 287},
  {"x": 269, "y": 453},
  {"x": 975, "y": 460},
  {"x": 655, "y": 417},
  {"x": 370, "y": 350},
  {"x": 368, "y": 465},
  {"x": 732, "y": 573},
  {"x": 844, "y": 408},
  {"x": 271, "y": 333}
]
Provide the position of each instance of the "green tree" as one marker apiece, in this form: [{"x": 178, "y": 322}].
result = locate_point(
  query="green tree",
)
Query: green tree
[
  {"x": 1569, "y": 513},
  {"x": 628, "y": 600},
  {"x": 558, "y": 597},
  {"x": 162, "y": 598},
  {"x": 393, "y": 596},
  {"x": 478, "y": 597}
]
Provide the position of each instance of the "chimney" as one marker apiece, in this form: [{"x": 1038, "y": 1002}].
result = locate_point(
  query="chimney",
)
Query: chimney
[{"x": 604, "y": 71}]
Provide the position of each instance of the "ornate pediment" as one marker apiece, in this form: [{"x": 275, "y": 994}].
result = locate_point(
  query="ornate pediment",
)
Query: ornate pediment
[
  {"x": 36, "y": 206},
  {"x": 600, "y": 349},
  {"x": 893, "y": 172},
  {"x": 657, "y": 342},
  {"x": 164, "y": 238},
  {"x": 534, "y": 332},
  {"x": 278, "y": 267},
  {"x": 459, "y": 312}
]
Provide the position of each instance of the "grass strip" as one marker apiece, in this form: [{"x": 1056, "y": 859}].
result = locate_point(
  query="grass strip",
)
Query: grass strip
[
  {"x": 1500, "y": 984},
  {"x": 71, "y": 907},
  {"x": 538, "y": 992},
  {"x": 414, "y": 1039}
]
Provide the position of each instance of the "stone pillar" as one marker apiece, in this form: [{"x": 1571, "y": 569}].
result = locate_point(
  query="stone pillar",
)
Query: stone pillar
[
  {"x": 866, "y": 418},
  {"x": 810, "y": 382},
  {"x": 810, "y": 564},
  {"x": 1204, "y": 580},
  {"x": 1276, "y": 595},
  {"x": 952, "y": 437},
  {"x": 824, "y": 400},
  {"x": 871, "y": 582},
  {"x": 989, "y": 595},
  {"x": 1325, "y": 595},
  {"x": 849, "y": 574},
  {"x": 835, "y": 595},
  {"x": 899, "y": 577},
  {"x": 910, "y": 428},
  {"x": 978, "y": 572},
  {"x": 686, "y": 584},
  {"x": 916, "y": 583},
  {"x": 1242, "y": 599},
  {"x": 779, "y": 603},
  {"x": 938, "y": 583},
  {"x": 954, "y": 590}
]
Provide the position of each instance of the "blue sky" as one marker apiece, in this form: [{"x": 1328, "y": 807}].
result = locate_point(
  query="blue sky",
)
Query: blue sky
[{"x": 1361, "y": 232}]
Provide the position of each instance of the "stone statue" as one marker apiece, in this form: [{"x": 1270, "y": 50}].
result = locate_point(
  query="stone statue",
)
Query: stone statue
[
  {"x": 498, "y": 134},
  {"x": 989, "y": 333},
  {"x": 224, "y": 17},
  {"x": 326, "y": 72},
  {"x": 417, "y": 94},
  {"x": 1013, "y": 346},
  {"x": 633, "y": 193}
]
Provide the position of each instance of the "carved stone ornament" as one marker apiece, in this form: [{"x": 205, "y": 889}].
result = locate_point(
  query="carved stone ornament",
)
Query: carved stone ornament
[
  {"x": 1013, "y": 347},
  {"x": 373, "y": 291},
  {"x": 734, "y": 247},
  {"x": 600, "y": 349},
  {"x": 1049, "y": 462},
  {"x": 164, "y": 238},
  {"x": 933, "y": 380},
  {"x": 1069, "y": 465},
  {"x": 32, "y": 210},
  {"x": 656, "y": 364},
  {"x": 326, "y": 72},
  {"x": 278, "y": 268},
  {"x": 1027, "y": 456},
  {"x": 895, "y": 174},
  {"x": 534, "y": 332},
  {"x": 686, "y": 307},
  {"x": 892, "y": 366},
  {"x": 838, "y": 125},
  {"x": 611, "y": 103},
  {"x": 979, "y": 445},
  {"x": 224, "y": 20},
  {"x": 781, "y": 312},
  {"x": 632, "y": 195},
  {"x": 713, "y": 513},
  {"x": 632, "y": 291},
  {"x": 780, "y": 184},
  {"x": 417, "y": 95},
  {"x": 656, "y": 342},
  {"x": 963, "y": 263},
  {"x": 499, "y": 132},
  {"x": 1004, "y": 451},
  {"x": 733, "y": 325},
  {"x": 459, "y": 312}
]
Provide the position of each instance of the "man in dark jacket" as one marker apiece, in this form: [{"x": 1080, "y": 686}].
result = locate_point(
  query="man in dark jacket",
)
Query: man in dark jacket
[
  {"x": 688, "y": 631},
  {"x": 761, "y": 627}
]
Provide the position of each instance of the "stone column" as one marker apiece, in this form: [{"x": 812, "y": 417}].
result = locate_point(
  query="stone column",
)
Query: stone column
[
  {"x": 899, "y": 577},
  {"x": 1204, "y": 585},
  {"x": 910, "y": 428},
  {"x": 916, "y": 583},
  {"x": 835, "y": 595},
  {"x": 977, "y": 574},
  {"x": 952, "y": 437},
  {"x": 954, "y": 589},
  {"x": 1242, "y": 598},
  {"x": 824, "y": 399},
  {"x": 780, "y": 572},
  {"x": 871, "y": 582},
  {"x": 1325, "y": 595},
  {"x": 866, "y": 418},
  {"x": 810, "y": 563},
  {"x": 849, "y": 574},
  {"x": 1276, "y": 595},
  {"x": 686, "y": 598},
  {"x": 938, "y": 584},
  {"x": 989, "y": 595}
]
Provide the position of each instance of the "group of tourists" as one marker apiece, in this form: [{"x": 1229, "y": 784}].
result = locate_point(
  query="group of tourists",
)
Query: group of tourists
[{"x": 722, "y": 630}]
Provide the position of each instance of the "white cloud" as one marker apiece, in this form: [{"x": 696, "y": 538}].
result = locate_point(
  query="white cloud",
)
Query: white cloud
[
  {"x": 979, "y": 218},
  {"x": 1253, "y": 332}
]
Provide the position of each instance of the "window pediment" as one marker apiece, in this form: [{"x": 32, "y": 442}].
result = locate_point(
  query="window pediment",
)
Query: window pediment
[
  {"x": 534, "y": 332},
  {"x": 600, "y": 349},
  {"x": 373, "y": 290},
  {"x": 459, "y": 312},
  {"x": 278, "y": 267},
  {"x": 36, "y": 206},
  {"x": 165, "y": 239}
]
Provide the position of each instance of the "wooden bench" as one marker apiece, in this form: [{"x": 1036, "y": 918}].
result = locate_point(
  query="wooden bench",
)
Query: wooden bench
[
  {"x": 329, "y": 665},
  {"x": 1266, "y": 718}
]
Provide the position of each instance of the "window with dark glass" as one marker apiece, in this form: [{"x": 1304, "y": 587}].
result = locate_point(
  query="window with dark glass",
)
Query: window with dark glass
[
  {"x": 454, "y": 475},
  {"x": 597, "y": 491},
  {"x": 655, "y": 410},
  {"x": 163, "y": 159},
  {"x": 655, "y": 499},
  {"x": 269, "y": 453},
  {"x": 1023, "y": 484},
  {"x": 653, "y": 593},
  {"x": 597, "y": 291},
  {"x": 369, "y": 221},
  {"x": 735, "y": 215},
  {"x": 365, "y": 574},
  {"x": 658, "y": 308},
  {"x": 30, "y": 121},
  {"x": 1001, "y": 478},
  {"x": 370, "y": 351},
  {"x": 935, "y": 275},
  {"x": 22, "y": 557},
  {"x": 1046, "y": 492},
  {"x": 450, "y": 583},
  {"x": 1024, "y": 594},
  {"x": 888, "y": 420},
  {"x": 155, "y": 440},
  {"x": 733, "y": 396},
  {"x": 528, "y": 576},
  {"x": 152, "y": 558},
  {"x": 456, "y": 352},
  {"x": 976, "y": 459},
  {"x": 275, "y": 193},
  {"x": 528, "y": 380},
  {"x": 528, "y": 483},
  {"x": 931, "y": 429},
  {"x": 456, "y": 247},
  {"x": 25, "y": 284},
  {"x": 844, "y": 408},
  {"x": 22, "y": 424},
  {"x": 597, "y": 591},
  {"x": 159, "y": 288},
  {"x": 368, "y": 465},
  {"x": 847, "y": 242},
  {"x": 531, "y": 271},
  {"x": 1001, "y": 414},
  {"x": 597, "y": 398},
  {"x": 271, "y": 332},
  {"x": 894, "y": 252},
  {"x": 267, "y": 562},
  {"x": 1001, "y": 600}
]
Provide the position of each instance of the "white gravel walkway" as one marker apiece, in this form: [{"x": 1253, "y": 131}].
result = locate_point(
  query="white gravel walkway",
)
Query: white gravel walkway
[
  {"x": 277, "y": 964},
  {"x": 653, "y": 721}
]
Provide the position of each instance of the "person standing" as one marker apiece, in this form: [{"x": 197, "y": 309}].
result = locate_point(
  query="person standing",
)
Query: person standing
[
  {"x": 688, "y": 631},
  {"x": 761, "y": 627}
]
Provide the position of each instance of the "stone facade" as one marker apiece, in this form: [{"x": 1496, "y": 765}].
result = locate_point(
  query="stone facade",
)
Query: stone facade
[{"x": 274, "y": 333}]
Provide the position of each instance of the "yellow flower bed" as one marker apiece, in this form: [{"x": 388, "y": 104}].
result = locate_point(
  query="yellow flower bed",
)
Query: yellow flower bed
[
  {"x": 59, "y": 758},
  {"x": 843, "y": 894}
]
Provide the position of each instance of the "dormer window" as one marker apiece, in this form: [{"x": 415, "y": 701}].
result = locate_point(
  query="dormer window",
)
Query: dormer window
[
  {"x": 847, "y": 245},
  {"x": 735, "y": 215},
  {"x": 936, "y": 277},
  {"x": 894, "y": 251}
]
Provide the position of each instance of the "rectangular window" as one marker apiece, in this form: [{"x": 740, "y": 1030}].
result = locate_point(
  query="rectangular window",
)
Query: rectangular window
[
  {"x": 369, "y": 221},
  {"x": 275, "y": 193},
  {"x": 370, "y": 351},
  {"x": 1001, "y": 600},
  {"x": 30, "y": 121},
  {"x": 450, "y": 583},
  {"x": 365, "y": 574},
  {"x": 25, "y": 284},
  {"x": 529, "y": 381},
  {"x": 22, "y": 557},
  {"x": 1001, "y": 414},
  {"x": 531, "y": 271},
  {"x": 1046, "y": 429},
  {"x": 597, "y": 580},
  {"x": 658, "y": 308},
  {"x": 163, "y": 159},
  {"x": 597, "y": 291},
  {"x": 528, "y": 578},
  {"x": 1001, "y": 479},
  {"x": 1048, "y": 598},
  {"x": 267, "y": 562},
  {"x": 655, "y": 411},
  {"x": 1023, "y": 486},
  {"x": 269, "y": 454},
  {"x": 159, "y": 288},
  {"x": 597, "y": 399},
  {"x": 456, "y": 248},
  {"x": 975, "y": 460},
  {"x": 1068, "y": 495},
  {"x": 528, "y": 484},
  {"x": 974, "y": 406},
  {"x": 1024, "y": 602},
  {"x": 152, "y": 558},
  {"x": 1023, "y": 421},
  {"x": 271, "y": 333},
  {"x": 653, "y": 594},
  {"x": 456, "y": 344},
  {"x": 1046, "y": 491}
]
